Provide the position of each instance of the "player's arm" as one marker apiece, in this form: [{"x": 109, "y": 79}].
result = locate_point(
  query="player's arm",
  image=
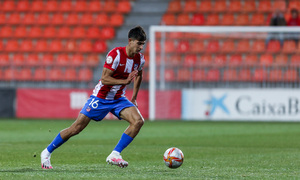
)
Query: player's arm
[
  {"x": 136, "y": 86},
  {"x": 107, "y": 78}
]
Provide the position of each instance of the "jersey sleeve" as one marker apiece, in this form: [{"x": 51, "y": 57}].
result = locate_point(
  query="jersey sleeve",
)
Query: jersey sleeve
[
  {"x": 112, "y": 60},
  {"x": 142, "y": 63}
]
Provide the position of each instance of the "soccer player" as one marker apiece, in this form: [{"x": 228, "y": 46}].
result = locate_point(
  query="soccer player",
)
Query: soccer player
[{"x": 122, "y": 65}]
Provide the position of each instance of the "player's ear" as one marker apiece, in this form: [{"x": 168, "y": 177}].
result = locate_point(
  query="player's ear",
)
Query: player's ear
[{"x": 130, "y": 40}]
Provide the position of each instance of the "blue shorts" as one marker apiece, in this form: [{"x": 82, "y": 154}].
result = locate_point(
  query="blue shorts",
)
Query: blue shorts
[{"x": 97, "y": 108}]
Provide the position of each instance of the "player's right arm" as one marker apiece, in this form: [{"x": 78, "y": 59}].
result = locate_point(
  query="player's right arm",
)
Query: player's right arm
[{"x": 107, "y": 78}]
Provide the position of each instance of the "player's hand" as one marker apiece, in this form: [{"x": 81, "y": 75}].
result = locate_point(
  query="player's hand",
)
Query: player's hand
[{"x": 132, "y": 75}]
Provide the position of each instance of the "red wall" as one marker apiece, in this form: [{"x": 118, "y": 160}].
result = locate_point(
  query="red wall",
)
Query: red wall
[
  {"x": 67, "y": 103},
  {"x": 168, "y": 105},
  {"x": 46, "y": 103}
]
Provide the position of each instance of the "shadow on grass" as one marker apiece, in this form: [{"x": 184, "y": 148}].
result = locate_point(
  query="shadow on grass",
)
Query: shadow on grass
[
  {"x": 28, "y": 170},
  {"x": 74, "y": 170},
  {"x": 22, "y": 170}
]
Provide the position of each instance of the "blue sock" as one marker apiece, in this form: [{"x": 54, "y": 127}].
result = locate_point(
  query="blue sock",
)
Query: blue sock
[
  {"x": 55, "y": 143},
  {"x": 123, "y": 143}
]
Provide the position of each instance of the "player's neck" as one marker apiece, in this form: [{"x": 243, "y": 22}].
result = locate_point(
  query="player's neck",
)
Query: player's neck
[{"x": 129, "y": 52}]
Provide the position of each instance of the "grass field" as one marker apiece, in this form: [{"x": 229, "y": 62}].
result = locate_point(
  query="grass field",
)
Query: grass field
[{"x": 213, "y": 150}]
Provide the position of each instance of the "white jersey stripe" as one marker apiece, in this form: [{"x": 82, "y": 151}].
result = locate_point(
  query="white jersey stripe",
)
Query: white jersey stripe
[
  {"x": 97, "y": 88},
  {"x": 111, "y": 94},
  {"x": 116, "y": 61},
  {"x": 123, "y": 93},
  {"x": 129, "y": 64}
]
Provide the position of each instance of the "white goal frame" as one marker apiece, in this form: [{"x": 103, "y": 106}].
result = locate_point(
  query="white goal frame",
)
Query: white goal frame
[{"x": 195, "y": 29}]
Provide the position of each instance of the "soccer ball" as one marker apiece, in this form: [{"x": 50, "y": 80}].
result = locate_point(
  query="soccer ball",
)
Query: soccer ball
[{"x": 173, "y": 157}]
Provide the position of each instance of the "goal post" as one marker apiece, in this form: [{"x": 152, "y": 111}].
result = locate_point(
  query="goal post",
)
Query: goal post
[{"x": 160, "y": 34}]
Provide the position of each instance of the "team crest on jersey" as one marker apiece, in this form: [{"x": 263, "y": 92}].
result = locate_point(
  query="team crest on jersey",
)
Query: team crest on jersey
[
  {"x": 135, "y": 66},
  {"x": 109, "y": 60},
  {"x": 88, "y": 109}
]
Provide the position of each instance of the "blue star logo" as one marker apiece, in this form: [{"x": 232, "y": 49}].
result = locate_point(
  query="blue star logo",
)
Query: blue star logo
[{"x": 215, "y": 103}]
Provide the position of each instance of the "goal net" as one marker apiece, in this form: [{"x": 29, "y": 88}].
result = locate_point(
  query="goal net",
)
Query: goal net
[{"x": 186, "y": 58}]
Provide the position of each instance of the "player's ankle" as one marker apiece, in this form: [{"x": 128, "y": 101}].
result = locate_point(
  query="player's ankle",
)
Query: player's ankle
[
  {"x": 115, "y": 152},
  {"x": 46, "y": 152}
]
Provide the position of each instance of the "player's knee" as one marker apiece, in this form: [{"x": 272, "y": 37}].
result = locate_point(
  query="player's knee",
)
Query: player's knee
[{"x": 138, "y": 122}]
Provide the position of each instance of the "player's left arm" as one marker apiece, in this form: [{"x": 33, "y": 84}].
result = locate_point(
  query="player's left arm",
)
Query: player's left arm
[{"x": 136, "y": 87}]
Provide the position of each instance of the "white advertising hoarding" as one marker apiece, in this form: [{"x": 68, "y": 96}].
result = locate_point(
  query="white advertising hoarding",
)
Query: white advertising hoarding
[{"x": 241, "y": 104}]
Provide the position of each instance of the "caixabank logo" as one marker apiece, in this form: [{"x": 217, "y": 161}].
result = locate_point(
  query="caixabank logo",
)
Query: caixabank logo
[
  {"x": 246, "y": 105},
  {"x": 215, "y": 103},
  {"x": 241, "y": 104}
]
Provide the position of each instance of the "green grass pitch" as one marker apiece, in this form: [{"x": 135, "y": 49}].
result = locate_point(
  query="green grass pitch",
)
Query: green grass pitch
[{"x": 213, "y": 150}]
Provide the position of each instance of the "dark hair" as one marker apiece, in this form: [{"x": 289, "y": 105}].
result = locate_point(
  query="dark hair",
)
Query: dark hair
[{"x": 137, "y": 33}]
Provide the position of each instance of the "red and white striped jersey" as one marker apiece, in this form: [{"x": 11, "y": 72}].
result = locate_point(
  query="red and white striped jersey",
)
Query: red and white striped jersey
[{"x": 122, "y": 65}]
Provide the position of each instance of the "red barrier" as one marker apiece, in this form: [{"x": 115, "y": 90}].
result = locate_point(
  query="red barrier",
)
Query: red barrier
[
  {"x": 67, "y": 103},
  {"x": 168, "y": 105},
  {"x": 50, "y": 103},
  {"x": 61, "y": 103}
]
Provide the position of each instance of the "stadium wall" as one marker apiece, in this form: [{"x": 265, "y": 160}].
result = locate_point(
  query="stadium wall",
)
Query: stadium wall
[
  {"x": 66, "y": 103},
  {"x": 7, "y": 105},
  {"x": 50, "y": 103},
  {"x": 187, "y": 104}
]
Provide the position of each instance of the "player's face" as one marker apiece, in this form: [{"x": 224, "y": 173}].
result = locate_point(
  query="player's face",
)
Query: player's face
[{"x": 136, "y": 46}]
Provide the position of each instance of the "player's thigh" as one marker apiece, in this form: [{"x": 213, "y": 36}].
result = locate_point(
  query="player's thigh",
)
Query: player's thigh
[{"x": 131, "y": 114}]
